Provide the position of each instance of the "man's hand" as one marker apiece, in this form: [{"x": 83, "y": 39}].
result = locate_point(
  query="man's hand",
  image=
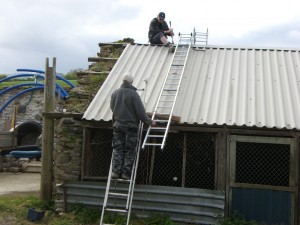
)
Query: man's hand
[
  {"x": 170, "y": 31},
  {"x": 153, "y": 123}
]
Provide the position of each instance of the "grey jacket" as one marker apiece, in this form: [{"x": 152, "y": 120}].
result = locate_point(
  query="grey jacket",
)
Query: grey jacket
[{"x": 127, "y": 107}]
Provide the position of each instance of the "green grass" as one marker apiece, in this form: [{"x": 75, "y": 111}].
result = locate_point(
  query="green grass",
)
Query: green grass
[{"x": 14, "y": 209}]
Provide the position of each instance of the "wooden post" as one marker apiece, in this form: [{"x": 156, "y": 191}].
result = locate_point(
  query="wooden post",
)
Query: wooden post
[
  {"x": 221, "y": 156},
  {"x": 48, "y": 133}
]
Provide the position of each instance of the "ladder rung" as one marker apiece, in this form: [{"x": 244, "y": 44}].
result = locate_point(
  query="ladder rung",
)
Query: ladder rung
[
  {"x": 170, "y": 89},
  {"x": 152, "y": 144},
  {"x": 168, "y": 95},
  {"x": 118, "y": 194},
  {"x": 160, "y": 136},
  {"x": 158, "y": 128},
  {"x": 116, "y": 210},
  {"x": 166, "y": 101},
  {"x": 119, "y": 180},
  {"x": 162, "y": 114},
  {"x": 177, "y": 65},
  {"x": 170, "y": 84}
]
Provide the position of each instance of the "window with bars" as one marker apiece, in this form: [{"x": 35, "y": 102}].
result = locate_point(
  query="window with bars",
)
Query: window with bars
[
  {"x": 187, "y": 160},
  {"x": 262, "y": 163}
]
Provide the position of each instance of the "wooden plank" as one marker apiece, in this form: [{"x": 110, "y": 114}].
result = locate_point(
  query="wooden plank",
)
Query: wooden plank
[
  {"x": 165, "y": 117},
  {"x": 221, "y": 156},
  {"x": 112, "y": 45},
  {"x": 100, "y": 59}
]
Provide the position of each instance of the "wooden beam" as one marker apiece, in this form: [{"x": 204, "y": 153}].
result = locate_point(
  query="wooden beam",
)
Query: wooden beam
[
  {"x": 165, "y": 117},
  {"x": 48, "y": 133},
  {"x": 100, "y": 59}
]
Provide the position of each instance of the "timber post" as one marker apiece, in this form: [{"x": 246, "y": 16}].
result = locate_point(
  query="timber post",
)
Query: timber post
[{"x": 48, "y": 133}]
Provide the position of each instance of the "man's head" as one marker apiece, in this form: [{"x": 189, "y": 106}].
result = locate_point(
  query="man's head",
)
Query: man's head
[
  {"x": 161, "y": 17},
  {"x": 128, "y": 77}
]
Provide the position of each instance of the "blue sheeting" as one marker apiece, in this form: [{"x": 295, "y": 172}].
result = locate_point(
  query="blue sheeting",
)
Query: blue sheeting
[{"x": 26, "y": 154}]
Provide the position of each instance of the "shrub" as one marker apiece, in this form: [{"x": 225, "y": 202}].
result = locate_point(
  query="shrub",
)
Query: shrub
[{"x": 235, "y": 219}]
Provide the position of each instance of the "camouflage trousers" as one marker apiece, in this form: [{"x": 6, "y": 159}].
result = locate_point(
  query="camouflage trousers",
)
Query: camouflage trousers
[{"x": 124, "y": 144}]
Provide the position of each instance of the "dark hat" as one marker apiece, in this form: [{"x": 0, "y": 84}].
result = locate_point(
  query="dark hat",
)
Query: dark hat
[{"x": 162, "y": 15}]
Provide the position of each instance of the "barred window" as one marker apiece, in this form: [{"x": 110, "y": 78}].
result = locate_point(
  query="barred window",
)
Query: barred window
[
  {"x": 187, "y": 160},
  {"x": 200, "y": 166},
  {"x": 260, "y": 163},
  {"x": 98, "y": 153}
]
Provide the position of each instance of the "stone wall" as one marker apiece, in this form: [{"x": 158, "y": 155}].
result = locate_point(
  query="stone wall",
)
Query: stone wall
[
  {"x": 30, "y": 107},
  {"x": 14, "y": 165},
  {"x": 67, "y": 150}
]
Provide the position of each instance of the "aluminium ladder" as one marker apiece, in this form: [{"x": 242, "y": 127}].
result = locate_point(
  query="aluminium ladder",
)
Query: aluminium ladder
[
  {"x": 114, "y": 199},
  {"x": 200, "y": 37},
  {"x": 156, "y": 136}
]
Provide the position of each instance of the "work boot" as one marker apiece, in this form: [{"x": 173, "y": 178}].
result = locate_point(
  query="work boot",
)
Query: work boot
[
  {"x": 114, "y": 175},
  {"x": 125, "y": 177},
  {"x": 168, "y": 44}
]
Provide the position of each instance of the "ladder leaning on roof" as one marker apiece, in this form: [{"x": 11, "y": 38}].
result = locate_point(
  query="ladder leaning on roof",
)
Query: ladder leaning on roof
[
  {"x": 156, "y": 136},
  {"x": 118, "y": 198}
]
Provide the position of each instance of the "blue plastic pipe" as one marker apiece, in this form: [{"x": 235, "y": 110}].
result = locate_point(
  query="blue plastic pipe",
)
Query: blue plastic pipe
[
  {"x": 64, "y": 92},
  {"x": 19, "y": 94},
  {"x": 43, "y": 72},
  {"x": 26, "y": 84}
]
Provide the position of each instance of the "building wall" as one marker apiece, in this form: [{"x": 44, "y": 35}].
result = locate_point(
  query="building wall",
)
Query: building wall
[
  {"x": 67, "y": 150},
  {"x": 30, "y": 107}
]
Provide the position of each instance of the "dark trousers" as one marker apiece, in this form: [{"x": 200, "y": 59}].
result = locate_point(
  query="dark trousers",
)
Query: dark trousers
[
  {"x": 124, "y": 145},
  {"x": 155, "y": 39}
]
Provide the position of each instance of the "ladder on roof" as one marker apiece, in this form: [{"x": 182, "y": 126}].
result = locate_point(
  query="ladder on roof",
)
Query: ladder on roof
[
  {"x": 156, "y": 136},
  {"x": 119, "y": 192},
  {"x": 200, "y": 37}
]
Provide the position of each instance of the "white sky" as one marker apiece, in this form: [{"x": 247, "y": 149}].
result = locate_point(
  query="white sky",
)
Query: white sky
[{"x": 70, "y": 30}]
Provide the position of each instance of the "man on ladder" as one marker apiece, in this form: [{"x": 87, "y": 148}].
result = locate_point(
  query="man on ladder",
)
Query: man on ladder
[{"x": 128, "y": 110}]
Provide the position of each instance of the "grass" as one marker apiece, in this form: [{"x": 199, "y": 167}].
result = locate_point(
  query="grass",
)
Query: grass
[{"x": 14, "y": 209}]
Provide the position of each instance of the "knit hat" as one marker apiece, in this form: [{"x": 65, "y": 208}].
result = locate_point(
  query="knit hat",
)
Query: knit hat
[{"x": 128, "y": 77}]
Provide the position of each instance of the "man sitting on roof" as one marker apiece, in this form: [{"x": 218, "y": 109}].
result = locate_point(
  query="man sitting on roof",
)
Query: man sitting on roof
[{"x": 159, "y": 30}]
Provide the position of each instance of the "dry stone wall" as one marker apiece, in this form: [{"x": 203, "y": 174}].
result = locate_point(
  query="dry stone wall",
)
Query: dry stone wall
[{"x": 67, "y": 151}]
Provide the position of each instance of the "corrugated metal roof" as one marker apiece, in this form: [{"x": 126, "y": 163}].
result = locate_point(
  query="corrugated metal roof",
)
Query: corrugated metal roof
[{"x": 221, "y": 85}]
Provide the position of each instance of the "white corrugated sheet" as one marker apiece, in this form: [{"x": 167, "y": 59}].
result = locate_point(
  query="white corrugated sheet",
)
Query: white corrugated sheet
[{"x": 221, "y": 85}]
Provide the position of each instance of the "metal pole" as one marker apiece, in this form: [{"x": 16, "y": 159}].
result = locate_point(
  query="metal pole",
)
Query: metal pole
[{"x": 48, "y": 133}]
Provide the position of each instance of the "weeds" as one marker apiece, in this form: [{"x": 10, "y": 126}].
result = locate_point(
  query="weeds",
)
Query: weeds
[{"x": 235, "y": 219}]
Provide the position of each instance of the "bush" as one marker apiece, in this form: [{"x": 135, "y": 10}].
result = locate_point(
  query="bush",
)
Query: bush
[
  {"x": 72, "y": 75},
  {"x": 235, "y": 219}
]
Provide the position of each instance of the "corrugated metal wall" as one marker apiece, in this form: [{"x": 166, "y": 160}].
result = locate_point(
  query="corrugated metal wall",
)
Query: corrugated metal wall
[
  {"x": 181, "y": 204},
  {"x": 269, "y": 206}
]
